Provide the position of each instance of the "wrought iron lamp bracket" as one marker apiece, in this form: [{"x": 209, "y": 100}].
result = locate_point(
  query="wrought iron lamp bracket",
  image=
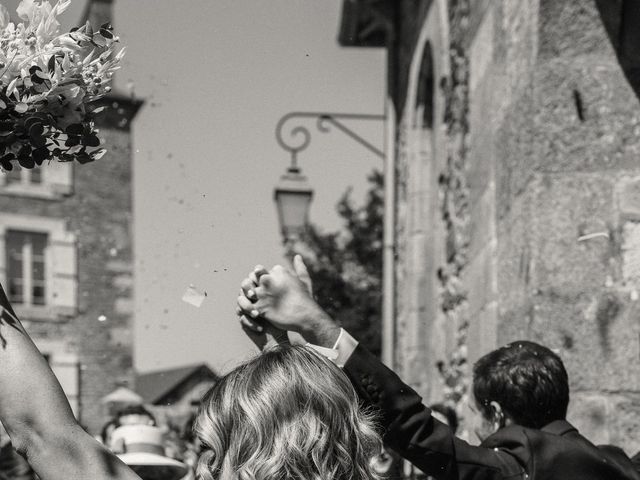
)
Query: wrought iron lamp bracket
[{"x": 299, "y": 136}]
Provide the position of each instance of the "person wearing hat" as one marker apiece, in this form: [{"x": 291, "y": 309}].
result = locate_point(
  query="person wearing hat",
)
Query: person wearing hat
[{"x": 142, "y": 448}]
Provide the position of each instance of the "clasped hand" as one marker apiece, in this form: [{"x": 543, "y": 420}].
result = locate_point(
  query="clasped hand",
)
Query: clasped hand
[{"x": 276, "y": 306}]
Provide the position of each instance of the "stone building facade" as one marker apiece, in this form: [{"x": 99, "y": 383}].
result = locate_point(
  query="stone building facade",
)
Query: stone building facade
[
  {"x": 517, "y": 205},
  {"x": 66, "y": 259}
]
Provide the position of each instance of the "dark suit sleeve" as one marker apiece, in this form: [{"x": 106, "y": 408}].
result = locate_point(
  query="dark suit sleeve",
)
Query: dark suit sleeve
[
  {"x": 13, "y": 466},
  {"x": 409, "y": 428}
]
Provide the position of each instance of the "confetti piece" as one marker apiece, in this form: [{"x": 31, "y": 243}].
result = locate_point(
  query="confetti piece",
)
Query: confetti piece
[
  {"x": 102, "y": 318},
  {"x": 193, "y": 296},
  {"x": 589, "y": 236}
]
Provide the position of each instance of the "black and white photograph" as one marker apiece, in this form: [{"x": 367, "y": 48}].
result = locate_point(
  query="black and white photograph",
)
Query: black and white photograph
[{"x": 319, "y": 239}]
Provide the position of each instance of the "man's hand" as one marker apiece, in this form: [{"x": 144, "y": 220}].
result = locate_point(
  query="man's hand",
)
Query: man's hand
[
  {"x": 262, "y": 333},
  {"x": 284, "y": 300}
]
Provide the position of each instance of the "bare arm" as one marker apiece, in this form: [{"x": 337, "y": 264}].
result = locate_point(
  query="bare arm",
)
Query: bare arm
[{"x": 37, "y": 416}]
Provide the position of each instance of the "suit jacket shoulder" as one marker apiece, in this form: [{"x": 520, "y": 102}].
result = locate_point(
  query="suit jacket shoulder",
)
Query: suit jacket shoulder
[
  {"x": 410, "y": 429},
  {"x": 557, "y": 452}
]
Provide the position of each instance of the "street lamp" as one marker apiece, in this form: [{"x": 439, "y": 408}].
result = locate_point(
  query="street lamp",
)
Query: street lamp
[
  {"x": 293, "y": 193},
  {"x": 293, "y": 198}
]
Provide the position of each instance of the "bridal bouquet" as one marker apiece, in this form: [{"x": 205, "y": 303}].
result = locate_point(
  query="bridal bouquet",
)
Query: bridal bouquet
[{"x": 48, "y": 85}]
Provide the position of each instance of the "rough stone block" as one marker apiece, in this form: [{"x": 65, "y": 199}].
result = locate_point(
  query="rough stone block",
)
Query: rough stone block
[
  {"x": 630, "y": 251},
  {"x": 514, "y": 254},
  {"x": 422, "y": 206},
  {"x": 628, "y": 196},
  {"x": 565, "y": 208},
  {"x": 482, "y": 220},
  {"x": 570, "y": 28},
  {"x": 480, "y": 279},
  {"x": 586, "y": 116},
  {"x": 481, "y": 50},
  {"x": 624, "y": 422},
  {"x": 596, "y": 335},
  {"x": 482, "y": 336},
  {"x": 124, "y": 306},
  {"x": 123, "y": 282},
  {"x": 591, "y": 415},
  {"x": 607, "y": 418}
]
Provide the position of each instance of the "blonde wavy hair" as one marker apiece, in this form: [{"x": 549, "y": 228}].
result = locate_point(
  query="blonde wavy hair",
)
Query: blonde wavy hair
[{"x": 287, "y": 414}]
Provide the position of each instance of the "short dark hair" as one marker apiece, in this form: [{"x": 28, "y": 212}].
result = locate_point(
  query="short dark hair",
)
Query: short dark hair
[
  {"x": 528, "y": 380},
  {"x": 106, "y": 430},
  {"x": 134, "y": 410}
]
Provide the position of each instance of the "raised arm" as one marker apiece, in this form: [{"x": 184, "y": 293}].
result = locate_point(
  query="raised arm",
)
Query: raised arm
[
  {"x": 37, "y": 415},
  {"x": 408, "y": 427}
]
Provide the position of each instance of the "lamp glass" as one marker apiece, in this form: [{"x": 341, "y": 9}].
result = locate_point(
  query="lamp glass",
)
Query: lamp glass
[
  {"x": 293, "y": 198},
  {"x": 293, "y": 210}
]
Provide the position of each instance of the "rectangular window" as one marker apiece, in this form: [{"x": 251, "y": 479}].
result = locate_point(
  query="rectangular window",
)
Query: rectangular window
[
  {"x": 14, "y": 176},
  {"x": 24, "y": 176},
  {"x": 26, "y": 267},
  {"x": 35, "y": 175}
]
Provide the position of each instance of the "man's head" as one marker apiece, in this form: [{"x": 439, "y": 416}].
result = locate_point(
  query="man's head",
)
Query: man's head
[
  {"x": 522, "y": 383},
  {"x": 135, "y": 415}
]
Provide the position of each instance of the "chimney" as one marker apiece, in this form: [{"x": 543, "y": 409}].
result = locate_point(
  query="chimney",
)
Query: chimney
[
  {"x": 121, "y": 108},
  {"x": 98, "y": 12}
]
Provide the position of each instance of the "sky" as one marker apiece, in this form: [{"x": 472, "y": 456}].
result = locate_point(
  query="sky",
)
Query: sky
[{"x": 216, "y": 76}]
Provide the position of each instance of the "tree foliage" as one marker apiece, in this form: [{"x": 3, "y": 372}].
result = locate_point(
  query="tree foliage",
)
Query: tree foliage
[{"x": 346, "y": 266}]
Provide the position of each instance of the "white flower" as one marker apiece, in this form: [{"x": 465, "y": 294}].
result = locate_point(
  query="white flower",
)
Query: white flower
[{"x": 50, "y": 78}]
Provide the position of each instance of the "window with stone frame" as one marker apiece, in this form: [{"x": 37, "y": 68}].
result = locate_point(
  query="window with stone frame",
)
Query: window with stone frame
[
  {"x": 24, "y": 176},
  {"x": 26, "y": 265},
  {"x": 50, "y": 180},
  {"x": 38, "y": 266}
]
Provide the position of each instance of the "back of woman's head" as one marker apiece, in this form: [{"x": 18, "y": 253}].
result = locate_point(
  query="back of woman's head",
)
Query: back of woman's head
[{"x": 287, "y": 414}]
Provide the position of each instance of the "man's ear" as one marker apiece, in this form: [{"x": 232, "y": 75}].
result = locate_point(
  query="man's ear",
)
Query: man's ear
[{"x": 498, "y": 417}]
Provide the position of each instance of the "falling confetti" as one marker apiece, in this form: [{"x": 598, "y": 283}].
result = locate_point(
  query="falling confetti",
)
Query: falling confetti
[{"x": 193, "y": 296}]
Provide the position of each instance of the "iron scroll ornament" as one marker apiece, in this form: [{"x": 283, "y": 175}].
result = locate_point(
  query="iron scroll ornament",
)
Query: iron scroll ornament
[{"x": 299, "y": 137}]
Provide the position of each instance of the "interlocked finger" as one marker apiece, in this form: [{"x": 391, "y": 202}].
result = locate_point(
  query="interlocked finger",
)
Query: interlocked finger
[
  {"x": 249, "y": 324},
  {"x": 247, "y": 307},
  {"x": 248, "y": 287},
  {"x": 257, "y": 272}
]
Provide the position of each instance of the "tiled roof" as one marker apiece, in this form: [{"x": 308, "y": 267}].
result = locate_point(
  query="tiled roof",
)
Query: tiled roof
[{"x": 153, "y": 386}]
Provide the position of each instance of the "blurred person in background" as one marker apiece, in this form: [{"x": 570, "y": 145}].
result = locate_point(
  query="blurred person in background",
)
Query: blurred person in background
[
  {"x": 142, "y": 447},
  {"x": 135, "y": 415}
]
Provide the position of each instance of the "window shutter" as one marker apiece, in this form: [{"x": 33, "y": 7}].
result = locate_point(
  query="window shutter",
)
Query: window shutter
[
  {"x": 59, "y": 176},
  {"x": 64, "y": 273},
  {"x": 3, "y": 258}
]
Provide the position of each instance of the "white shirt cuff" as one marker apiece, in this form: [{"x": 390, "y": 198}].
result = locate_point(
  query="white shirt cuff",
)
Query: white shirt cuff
[{"x": 342, "y": 349}]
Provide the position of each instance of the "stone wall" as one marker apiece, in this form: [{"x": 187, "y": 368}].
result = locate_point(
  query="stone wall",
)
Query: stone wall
[{"x": 518, "y": 203}]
